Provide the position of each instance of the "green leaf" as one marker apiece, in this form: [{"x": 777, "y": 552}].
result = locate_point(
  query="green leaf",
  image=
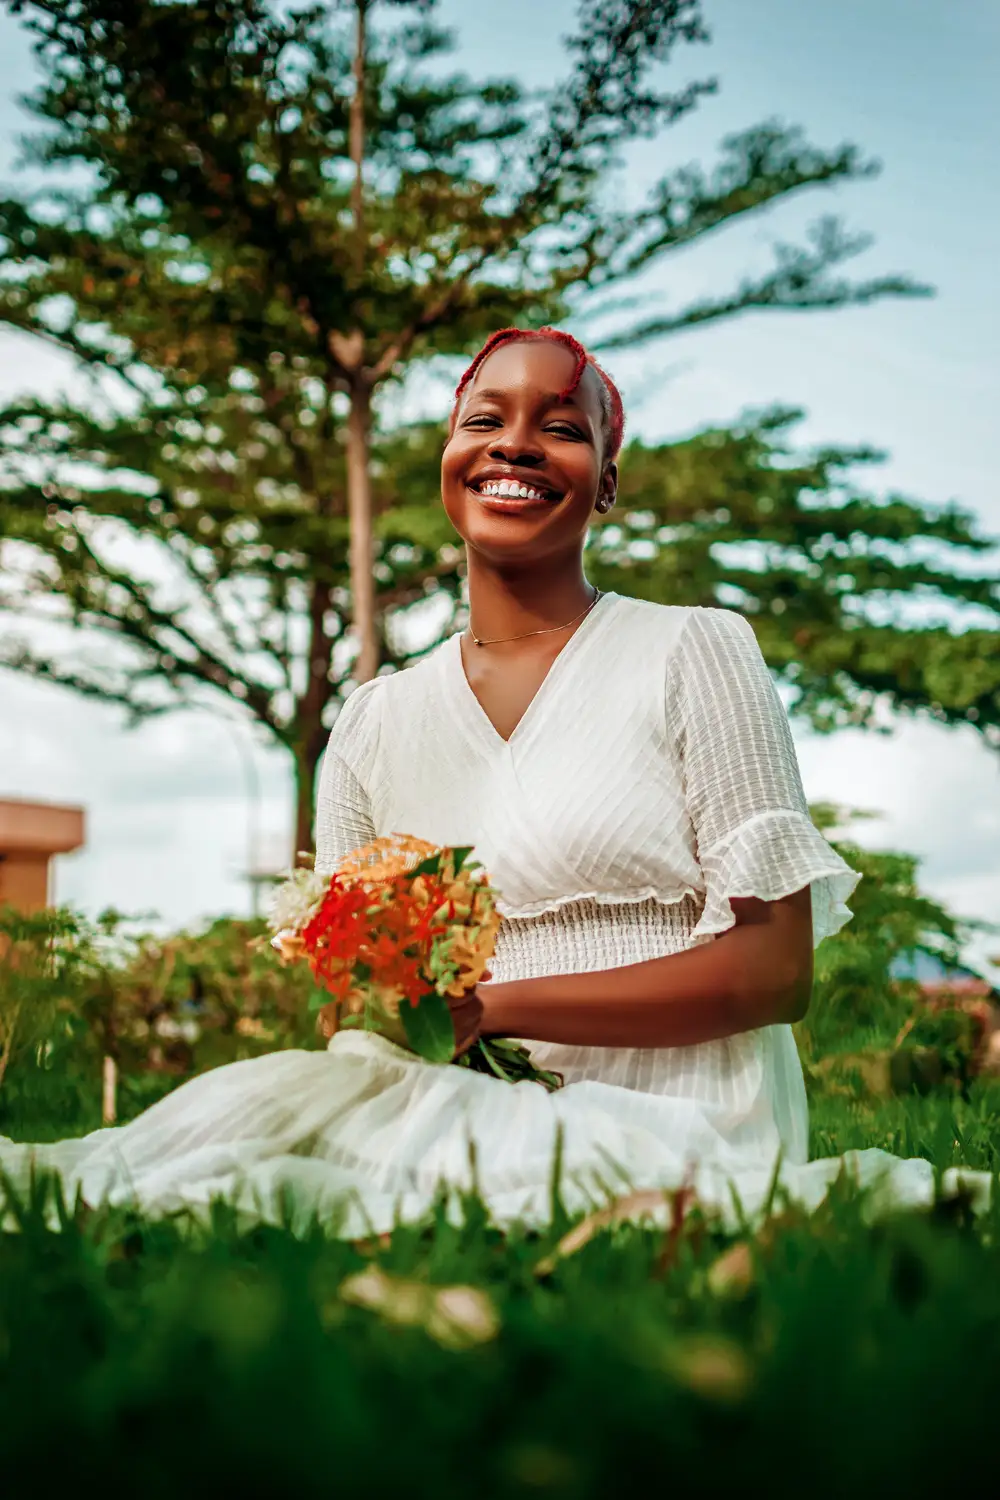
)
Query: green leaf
[
  {"x": 318, "y": 997},
  {"x": 429, "y": 866},
  {"x": 459, "y": 857},
  {"x": 429, "y": 1028}
]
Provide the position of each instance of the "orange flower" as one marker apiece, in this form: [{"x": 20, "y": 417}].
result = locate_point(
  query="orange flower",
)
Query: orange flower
[{"x": 381, "y": 935}]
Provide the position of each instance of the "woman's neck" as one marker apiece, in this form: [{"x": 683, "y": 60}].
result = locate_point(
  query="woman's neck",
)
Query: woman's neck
[{"x": 511, "y": 602}]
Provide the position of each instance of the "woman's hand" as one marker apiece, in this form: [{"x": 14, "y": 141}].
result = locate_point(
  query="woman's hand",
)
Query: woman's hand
[
  {"x": 466, "y": 1015},
  {"x": 467, "y": 1018}
]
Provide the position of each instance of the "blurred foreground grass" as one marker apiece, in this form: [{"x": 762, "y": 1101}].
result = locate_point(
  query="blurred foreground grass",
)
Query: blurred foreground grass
[{"x": 821, "y": 1354}]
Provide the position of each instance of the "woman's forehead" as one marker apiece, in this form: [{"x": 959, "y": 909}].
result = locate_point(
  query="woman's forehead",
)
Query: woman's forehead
[{"x": 537, "y": 367}]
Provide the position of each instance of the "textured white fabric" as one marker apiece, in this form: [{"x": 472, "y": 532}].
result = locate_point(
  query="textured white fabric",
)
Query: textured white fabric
[
  {"x": 365, "y": 1135},
  {"x": 655, "y": 760},
  {"x": 652, "y": 779}
]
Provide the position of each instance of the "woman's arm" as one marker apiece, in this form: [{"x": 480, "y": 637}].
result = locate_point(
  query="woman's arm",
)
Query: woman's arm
[
  {"x": 759, "y": 973},
  {"x": 752, "y": 831}
]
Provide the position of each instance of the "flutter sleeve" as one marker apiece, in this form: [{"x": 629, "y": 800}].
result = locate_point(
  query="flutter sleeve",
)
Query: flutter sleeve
[
  {"x": 343, "y": 808},
  {"x": 743, "y": 789}
]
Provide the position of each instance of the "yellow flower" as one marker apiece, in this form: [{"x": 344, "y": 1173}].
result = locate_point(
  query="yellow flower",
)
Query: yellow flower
[{"x": 470, "y": 950}]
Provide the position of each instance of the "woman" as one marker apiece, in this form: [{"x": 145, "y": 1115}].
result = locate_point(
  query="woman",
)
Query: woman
[{"x": 626, "y": 775}]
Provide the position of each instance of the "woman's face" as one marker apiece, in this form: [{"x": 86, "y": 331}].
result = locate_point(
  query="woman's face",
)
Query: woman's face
[{"x": 515, "y": 434}]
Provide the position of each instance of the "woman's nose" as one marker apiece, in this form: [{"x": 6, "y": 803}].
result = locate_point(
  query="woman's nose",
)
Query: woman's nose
[{"x": 512, "y": 447}]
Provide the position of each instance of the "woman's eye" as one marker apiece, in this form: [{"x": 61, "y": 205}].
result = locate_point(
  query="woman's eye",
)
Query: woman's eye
[
  {"x": 483, "y": 419},
  {"x": 562, "y": 429}
]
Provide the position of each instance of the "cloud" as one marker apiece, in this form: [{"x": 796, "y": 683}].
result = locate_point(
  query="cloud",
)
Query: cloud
[
  {"x": 938, "y": 792},
  {"x": 173, "y": 806}
]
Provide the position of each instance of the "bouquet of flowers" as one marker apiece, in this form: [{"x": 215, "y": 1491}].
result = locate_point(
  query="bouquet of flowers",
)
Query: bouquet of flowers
[{"x": 400, "y": 928}]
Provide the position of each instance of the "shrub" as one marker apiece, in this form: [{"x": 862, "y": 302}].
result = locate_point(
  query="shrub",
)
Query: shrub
[{"x": 73, "y": 992}]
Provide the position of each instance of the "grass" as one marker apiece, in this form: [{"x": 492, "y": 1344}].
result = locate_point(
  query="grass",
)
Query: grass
[
  {"x": 823, "y": 1355},
  {"x": 944, "y": 1127}
]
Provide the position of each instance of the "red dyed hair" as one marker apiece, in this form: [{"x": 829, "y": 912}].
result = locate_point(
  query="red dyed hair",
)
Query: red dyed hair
[{"x": 614, "y": 413}]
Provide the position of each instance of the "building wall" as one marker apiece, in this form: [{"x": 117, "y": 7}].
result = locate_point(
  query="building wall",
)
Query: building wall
[
  {"x": 39, "y": 827},
  {"x": 30, "y": 834},
  {"x": 24, "y": 881}
]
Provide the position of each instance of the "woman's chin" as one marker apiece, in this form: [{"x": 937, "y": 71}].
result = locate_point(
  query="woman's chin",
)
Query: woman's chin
[
  {"x": 496, "y": 527},
  {"x": 502, "y": 539}
]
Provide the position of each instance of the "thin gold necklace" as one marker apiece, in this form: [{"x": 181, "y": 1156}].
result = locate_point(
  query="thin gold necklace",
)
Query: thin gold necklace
[{"x": 505, "y": 640}]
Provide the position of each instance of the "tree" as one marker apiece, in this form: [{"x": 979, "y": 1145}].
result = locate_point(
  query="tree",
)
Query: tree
[
  {"x": 284, "y": 214},
  {"x": 892, "y": 919},
  {"x": 860, "y": 605},
  {"x": 871, "y": 1028}
]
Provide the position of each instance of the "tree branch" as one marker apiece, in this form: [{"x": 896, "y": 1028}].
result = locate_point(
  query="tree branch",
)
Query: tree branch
[
  {"x": 797, "y": 283},
  {"x": 759, "y": 166}
]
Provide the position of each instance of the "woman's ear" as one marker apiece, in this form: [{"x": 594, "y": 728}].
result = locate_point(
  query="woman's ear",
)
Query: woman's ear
[{"x": 607, "y": 494}]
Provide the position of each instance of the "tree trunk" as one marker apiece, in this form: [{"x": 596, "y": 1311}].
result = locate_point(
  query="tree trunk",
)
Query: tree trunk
[
  {"x": 359, "y": 502},
  {"x": 303, "y": 811},
  {"x": 310, "y": 733},
  {"x": 359, "y": 510},
  {"x": 305, "y": 797}
]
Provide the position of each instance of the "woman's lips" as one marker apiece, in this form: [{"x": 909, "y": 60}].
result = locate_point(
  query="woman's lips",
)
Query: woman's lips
[
  {"x": 511, "y": 504},
  {"x": 505, "y": 495}
]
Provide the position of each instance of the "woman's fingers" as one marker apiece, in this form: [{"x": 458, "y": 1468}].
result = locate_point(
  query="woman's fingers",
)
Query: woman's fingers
[{"x": 467, "y": 1018}]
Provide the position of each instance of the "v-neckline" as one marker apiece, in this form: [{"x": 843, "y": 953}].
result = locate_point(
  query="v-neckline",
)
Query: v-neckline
[{"x": 557, "y": 668}]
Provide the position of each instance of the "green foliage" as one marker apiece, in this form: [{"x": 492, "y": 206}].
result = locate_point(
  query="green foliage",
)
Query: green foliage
[
  {"x": 164, "y": 1008},
  {"x": 429, "y": 1029},
  {"x": 855, "y": 994},
  {"x": 859, "y": 603},
  {"x": 869, "y": 1035},
  {"x": 47, "y": 962},
  {"x": 246, "y": 1358},
  {"x": 231, "y": 301},
  {"x": 941, "y": 1125}
]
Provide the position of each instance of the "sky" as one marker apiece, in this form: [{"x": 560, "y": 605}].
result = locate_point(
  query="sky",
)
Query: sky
[{"x": 177, "y": 809}]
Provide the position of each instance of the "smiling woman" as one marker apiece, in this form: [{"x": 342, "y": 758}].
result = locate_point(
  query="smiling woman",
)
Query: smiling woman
[
  {"x": 625, "y": 773},
  {"x": 530, "y": 458},
  {"x": 536, "y": 437}
]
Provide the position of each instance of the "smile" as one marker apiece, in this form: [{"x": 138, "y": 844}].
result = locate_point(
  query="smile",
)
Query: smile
[{"x": 511, "y": 489}]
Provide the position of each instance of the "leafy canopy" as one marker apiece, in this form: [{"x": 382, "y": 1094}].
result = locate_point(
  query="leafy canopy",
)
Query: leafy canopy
[{"x": 179, "y": 524}]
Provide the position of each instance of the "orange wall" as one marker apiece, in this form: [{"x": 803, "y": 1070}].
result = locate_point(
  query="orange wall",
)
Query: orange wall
[
  {"x": 24, "y": 881},
  {"x": 30, "y": 834},
  {"x": 39, "y": 827}
]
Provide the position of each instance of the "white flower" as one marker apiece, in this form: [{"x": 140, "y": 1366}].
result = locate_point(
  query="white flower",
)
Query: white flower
[{"x": 296, "y": 900}]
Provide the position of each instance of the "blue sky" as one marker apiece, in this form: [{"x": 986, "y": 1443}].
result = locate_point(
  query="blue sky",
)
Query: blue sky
[{"x": 914, "y": 83}]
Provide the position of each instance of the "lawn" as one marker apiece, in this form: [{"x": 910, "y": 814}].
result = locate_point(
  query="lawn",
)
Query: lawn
[
  {"x": 822, "y": 1354},
  {"x": 825, "y": 1355}
]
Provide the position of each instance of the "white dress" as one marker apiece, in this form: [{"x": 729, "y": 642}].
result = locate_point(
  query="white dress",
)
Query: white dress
[{"x": 652, "y": 778}]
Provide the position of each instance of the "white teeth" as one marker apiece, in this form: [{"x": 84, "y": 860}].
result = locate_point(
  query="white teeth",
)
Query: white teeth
[{"x": 510, "y": 488}]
